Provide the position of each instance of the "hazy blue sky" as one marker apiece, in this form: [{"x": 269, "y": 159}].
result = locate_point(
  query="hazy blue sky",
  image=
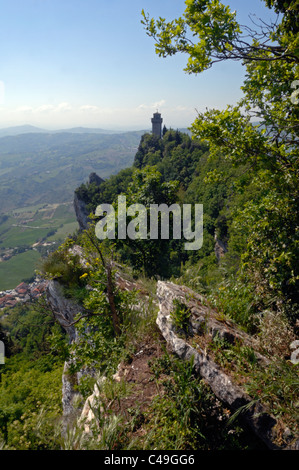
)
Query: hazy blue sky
[{"x": 89, "y": 63}]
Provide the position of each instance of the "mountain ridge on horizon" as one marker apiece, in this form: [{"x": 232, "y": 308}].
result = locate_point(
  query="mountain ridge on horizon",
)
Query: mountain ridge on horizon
[
  {"x": 28, "y": 128},
  {"x": 13, "y": 131}
]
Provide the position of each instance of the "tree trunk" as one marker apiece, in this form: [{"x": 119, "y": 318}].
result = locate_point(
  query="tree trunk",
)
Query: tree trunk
[{"x": 110, "y": 293}]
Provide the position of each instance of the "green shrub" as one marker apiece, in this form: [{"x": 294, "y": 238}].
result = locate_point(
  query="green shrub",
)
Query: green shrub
[
  {"x": 237, "y": 301},
  {"x": 64, "y": 266},
  {"x": 180, "y": 315}
]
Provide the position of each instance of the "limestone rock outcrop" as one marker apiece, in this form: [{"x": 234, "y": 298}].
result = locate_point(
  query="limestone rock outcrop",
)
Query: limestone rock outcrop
[
  {"x": 81, "y": 211},
  {"x": 63, "y": 309},
  {"x": 95, "y": 179},
  {"x": 80, "y": 205},
  {"x": 204, "y": 320},
  {"x": 220, "y": 248}
]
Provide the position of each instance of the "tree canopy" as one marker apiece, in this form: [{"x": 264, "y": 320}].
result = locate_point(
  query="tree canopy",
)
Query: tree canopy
[
  {"x": 208, "y": 32},
  {"x": 261, "y": 131}
]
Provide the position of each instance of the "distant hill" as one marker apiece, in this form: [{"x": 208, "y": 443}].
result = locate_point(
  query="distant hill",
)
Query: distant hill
[
  {"x": 16, "y": 130},
  {"x": 28, "y": 129},
  {"x": 87, "y": 130}
]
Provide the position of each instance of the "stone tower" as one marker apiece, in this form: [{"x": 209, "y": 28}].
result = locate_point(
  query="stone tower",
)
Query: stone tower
[{"x": 157, "y": 124}]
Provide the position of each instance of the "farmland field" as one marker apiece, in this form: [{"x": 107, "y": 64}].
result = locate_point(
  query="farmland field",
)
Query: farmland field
[{"x": 29, "y": 233}]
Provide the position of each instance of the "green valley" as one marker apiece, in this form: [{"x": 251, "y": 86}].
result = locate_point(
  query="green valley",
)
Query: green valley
[
  {"x": 38, "y": 174},
  {"x": 40, "y": 168}
]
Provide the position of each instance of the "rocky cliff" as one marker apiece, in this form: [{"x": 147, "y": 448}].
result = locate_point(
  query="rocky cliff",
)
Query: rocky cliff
[
  {"x": 65, "y": 310},
  {"x": 81, "y": 205},
  {"x": 81, "y": 212}
]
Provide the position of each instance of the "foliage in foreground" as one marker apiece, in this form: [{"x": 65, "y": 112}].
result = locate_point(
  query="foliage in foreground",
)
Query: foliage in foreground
[
  {"x": 183, "y": 415},
  {"x": 30, "y": 380}
]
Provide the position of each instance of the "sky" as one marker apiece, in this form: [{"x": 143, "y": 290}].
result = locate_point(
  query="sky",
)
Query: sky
[{"x": 90, "y": 63}]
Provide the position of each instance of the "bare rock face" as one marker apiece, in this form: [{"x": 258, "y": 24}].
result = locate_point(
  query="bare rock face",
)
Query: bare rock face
[
  {"x": 80, "y": 206},
  {"x": 95, "y": 179},
  {"x": 81, "y": 212},
  {"x": 63, "y": 309},
  {"x": 205, "y": 319},
  {"x": 220, "y": 248}
]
